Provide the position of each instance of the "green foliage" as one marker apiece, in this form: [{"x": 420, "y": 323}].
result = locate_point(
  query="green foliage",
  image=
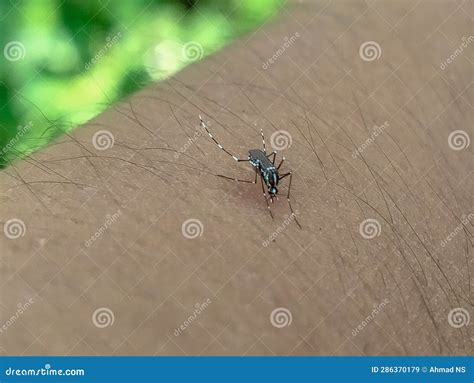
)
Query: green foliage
[{"x": 64, "y": 62}]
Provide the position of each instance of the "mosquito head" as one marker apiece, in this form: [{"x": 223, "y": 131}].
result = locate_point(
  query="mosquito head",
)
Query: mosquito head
[{"x": 273, "y": 191}]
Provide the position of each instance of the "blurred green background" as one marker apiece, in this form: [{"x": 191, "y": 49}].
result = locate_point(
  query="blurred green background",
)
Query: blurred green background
[{"x": 64, "y": 62}]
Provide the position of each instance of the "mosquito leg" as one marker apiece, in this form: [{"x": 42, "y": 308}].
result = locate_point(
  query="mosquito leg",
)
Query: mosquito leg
[
  {"x": 236, "y": 179},
  {"x": 281, "y": 162},
  {"x": 266, "y": 200},
  {"x": 288, "y": 198},
  {"x": 263, "y": 141},
  {"x": 274, "y": 153},
  {"x": 203, "y": 124}
]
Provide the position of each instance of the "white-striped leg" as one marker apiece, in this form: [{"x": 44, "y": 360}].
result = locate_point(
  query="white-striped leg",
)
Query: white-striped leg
[
  {"x": 203, "y": 124},
  {"x": 263, "y": 141},
  {"x": 266, "y": 200}
]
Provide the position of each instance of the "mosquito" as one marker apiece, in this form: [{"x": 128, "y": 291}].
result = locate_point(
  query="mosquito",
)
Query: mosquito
[{"x": 264, "y": 167}]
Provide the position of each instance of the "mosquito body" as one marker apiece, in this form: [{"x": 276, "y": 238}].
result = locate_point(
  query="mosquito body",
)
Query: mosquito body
[{"x": 264, "y": 167}]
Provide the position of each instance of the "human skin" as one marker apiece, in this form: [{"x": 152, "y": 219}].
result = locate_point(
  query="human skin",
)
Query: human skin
[{"x": 346, "y": 293}]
